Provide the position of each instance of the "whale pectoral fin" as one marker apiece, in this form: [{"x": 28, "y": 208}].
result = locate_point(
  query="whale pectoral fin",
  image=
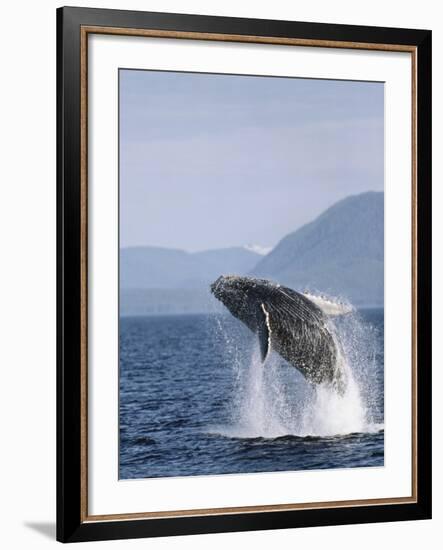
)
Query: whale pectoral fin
[
  {"x": 263, "y": 339},
  {"x": 264, "y": 334}
]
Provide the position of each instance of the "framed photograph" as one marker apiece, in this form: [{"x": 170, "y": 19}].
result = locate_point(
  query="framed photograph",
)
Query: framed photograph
[{"x": 244, "y": 274}]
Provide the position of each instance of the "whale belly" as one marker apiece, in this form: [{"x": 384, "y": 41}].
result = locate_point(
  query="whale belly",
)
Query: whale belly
[{"x": 311, "y": 350}]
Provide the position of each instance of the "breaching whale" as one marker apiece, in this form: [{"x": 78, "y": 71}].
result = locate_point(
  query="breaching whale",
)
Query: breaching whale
[{"x": 288, "y": 322}]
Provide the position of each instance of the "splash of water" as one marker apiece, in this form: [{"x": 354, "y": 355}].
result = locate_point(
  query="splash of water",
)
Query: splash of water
[
  {"x": 328, "y": 413},
  {"x": 273, "y": 399}
]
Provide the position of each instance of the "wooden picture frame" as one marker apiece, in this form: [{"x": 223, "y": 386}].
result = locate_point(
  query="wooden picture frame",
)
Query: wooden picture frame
[{"x": 74, "y": 522}]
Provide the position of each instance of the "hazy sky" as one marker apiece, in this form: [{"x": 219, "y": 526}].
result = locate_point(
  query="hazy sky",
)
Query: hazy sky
[{"x": 211, "y": 161}]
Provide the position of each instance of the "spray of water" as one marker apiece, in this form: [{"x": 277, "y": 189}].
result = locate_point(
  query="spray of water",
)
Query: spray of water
[{"x": 272, "y": 399}]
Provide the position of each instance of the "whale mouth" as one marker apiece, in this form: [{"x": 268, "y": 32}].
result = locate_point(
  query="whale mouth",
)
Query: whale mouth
[
  {"x": 232, "y": 292},
  {"x": 236, "y": 291}
]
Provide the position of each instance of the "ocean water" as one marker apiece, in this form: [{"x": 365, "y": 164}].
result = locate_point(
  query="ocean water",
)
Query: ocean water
[{"x": 196, "y": 400}]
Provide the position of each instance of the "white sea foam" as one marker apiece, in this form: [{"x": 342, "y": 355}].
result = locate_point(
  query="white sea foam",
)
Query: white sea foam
[{"x": 329, "y": 413}]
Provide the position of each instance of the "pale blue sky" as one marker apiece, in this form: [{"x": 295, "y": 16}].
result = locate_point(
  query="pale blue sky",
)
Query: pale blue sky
[{"x": 211, "y": 161}]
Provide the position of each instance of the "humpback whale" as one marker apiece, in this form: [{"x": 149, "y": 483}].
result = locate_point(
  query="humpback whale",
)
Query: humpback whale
[{"x": 294, "y": 325}]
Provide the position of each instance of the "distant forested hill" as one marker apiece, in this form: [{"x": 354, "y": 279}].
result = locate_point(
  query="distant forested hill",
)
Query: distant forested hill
[
  {"x": 164, "y": 281},
  {"x": 154, "y": 267},
  {"x": 340, "y": 253}
]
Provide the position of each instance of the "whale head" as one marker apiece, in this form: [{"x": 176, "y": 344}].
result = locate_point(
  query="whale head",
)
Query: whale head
[{"x": 244, "y": 297}]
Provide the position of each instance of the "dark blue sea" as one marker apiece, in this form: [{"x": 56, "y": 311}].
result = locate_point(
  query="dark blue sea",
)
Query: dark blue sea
[{"x": 196, "y": 400}]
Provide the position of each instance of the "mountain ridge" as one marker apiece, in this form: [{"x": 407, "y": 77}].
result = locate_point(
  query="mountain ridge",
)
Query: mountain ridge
[
  {"x": 157, "y": 267},
  {"x": 340, "y": 253}
]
